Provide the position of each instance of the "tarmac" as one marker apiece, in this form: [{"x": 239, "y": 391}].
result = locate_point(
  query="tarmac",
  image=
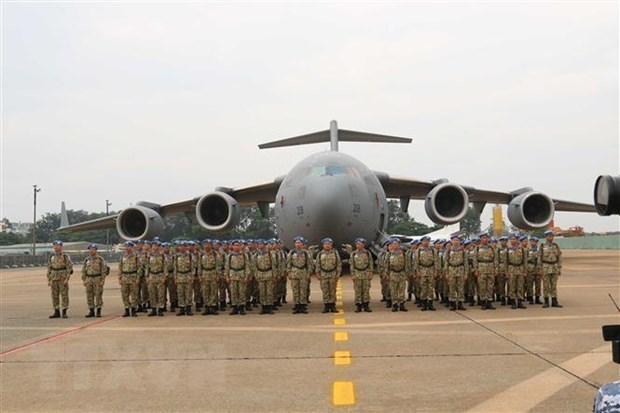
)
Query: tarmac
[{"x": 539, "y": 360}]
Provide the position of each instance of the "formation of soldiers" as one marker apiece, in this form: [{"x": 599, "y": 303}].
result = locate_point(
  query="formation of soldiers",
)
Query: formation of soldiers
[{"x": 212, "y": 275}]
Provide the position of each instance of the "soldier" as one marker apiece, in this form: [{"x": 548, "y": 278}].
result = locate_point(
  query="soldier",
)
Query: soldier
[
  {"x": 426, "y": 263},
  {"x": 384, "y": 276},
  {"x": 361, "y": 264},
  {"x": 171, "y": 288},
  {"x": 184, "y": 270},
  {"x": 523, "y": 241},
  {"x": 264, "y": 269},
  {"x": 94, "y": 271},
  {"x": 156, "y": 274},
  {"x": 144, "y": 248},
  {"x": 397, "y": 270},
  {"x": 502, "y": 270},
  {"x": 129, "y": 273},
  {"x": 439, "y": 281},
  {"x": 329, "y": 268},
  {"x": 550, "y": 266},
  {"x": 237, "y": 272},
  {"x": 209, "y": 274},
  {"x": 412, "y": 289},
  {"x": 222, "y": 249},
  {"x": 456, "y": 267},
  {"x": 534, "y": 287},
  {"x": 299, "y": 266},
  {"x": 485, "y": 268},
  {"x": 517, "y": 270},
  {"x": 59, "y": 270},
  {"x": 279, "y": 260}
]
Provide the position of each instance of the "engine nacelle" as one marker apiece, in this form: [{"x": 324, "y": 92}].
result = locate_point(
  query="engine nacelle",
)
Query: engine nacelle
[
  {"x": 607, "y": 195},
  {"x": 446, "y": 204},
  {"x": 138, "y": 222},
  {"x": 531, "y": 210},
  {"x": 217, "y": 211}
]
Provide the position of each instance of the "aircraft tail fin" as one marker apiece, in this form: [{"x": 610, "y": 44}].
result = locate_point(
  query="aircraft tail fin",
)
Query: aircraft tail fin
[
  {"x": 334, "y": 135},
  {"x": 64, "y": 218}
]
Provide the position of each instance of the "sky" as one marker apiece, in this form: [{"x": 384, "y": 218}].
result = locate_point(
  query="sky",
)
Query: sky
[{"x": 163, "y": 101}]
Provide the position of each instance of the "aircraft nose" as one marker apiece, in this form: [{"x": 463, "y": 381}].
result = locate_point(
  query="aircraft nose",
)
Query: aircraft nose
[{"x": 329, "y": 203}]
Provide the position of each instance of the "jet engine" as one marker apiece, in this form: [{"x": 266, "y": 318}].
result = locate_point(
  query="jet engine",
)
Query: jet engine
[
  {"x": 217, "y": 211},
  {"x": 139, "y": 222},
  {"x": 531, "y": 210},
  {"x": 446, "y": 203},
  {"x": 607, "y": 195}
]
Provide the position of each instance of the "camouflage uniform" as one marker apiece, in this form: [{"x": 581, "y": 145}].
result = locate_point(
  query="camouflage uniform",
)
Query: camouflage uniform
[
  {"x": 237, "y": 270},
  {"x": 329, "y": 268},
  {"x": 426, "y": 263},
  {"x": 456, "y": 267},
  {"x": 184, "y": 270},
  {"x": 384, "y": 277},
  {"x": 550, "y": 266},
  {"x": 250, "y": 290},
  {"x": 279, "y": 260},
  {"x": 502, "y": 271},
  {"x": 94, "y": 271},
  {"x": 471, "y": 282},
  {"x": 156, "y": 274},
  {"x": 533, "y": 282},
  {"x": 209, "y": 272},
  {"x": 130, "y": 270},
  {"x": 223, "y": 285},
  {"x": 264, "y": 270},
  {"x": 299, "y": 266},
  {"x": 517, "y": 270},
  {"x": 485, "y": 262},
  {"x": 59, "y": 270},
  {"x": 171, "y": 287},
  {"x": 361, "y": 271},
  {"x": 397, "y": 271},
  {"x": 143, "y": 290}
]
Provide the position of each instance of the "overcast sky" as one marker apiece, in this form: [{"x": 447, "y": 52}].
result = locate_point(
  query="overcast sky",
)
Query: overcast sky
[{"x": 166, "y": 101}]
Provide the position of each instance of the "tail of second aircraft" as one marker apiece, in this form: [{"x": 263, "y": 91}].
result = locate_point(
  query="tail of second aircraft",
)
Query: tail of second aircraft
[{"x": 334, "y": 135}]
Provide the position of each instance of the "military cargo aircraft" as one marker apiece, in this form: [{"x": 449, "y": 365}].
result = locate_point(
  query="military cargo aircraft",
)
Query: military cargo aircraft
[{"x": 333, "y": 194}]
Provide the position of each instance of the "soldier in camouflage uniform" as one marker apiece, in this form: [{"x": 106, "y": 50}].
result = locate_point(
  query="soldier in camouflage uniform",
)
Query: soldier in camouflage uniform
[
  {"x": 517, "y": 270},
  {"x": 426, "y": 263},
  {"x": 59, "y": 270},
  {"x": 94, "y": 271},
  {"x": 485, "y": 267},
  {"x": 413, "y": 290},
  {"x": 550, "y": 266},
  {"x": 237, "y": 272},
  {"x": 279, "y": 260},
  {"x": 222, "y": 249},
  {"x": 300, "y": 267},
  {"x": 329, "y": 268},
  {"x": 184, "y": 270},
  {"x": 171, "y": 288},
  {"x": 384, "y": 276},
  {"x": 209, "y": 273},
  {"x": 361, "y": 264},
  {"x": 156, "y": 274},
  {"x": 502, "y": 270},
  {"x": 534, "y": 289},
  {"x": 523, "y": 241},
  {"x": 129, "y": 272},
  {"x": 264, "y": 270},
  {"x": 456, "y": 267},
  {"x": 397, "y": 268}
]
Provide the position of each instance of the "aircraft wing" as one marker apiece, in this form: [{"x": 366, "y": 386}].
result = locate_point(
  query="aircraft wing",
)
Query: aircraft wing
[
  {"x": 396, "y": 187},
  {"x": 99, "y": 223}
]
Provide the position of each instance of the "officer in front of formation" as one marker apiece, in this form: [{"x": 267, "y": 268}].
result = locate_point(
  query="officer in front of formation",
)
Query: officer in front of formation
[
  {"x": 361, "y": 264},
  {"x": 94, "y": 271},
  {"x": 59, "y": 270},
  {"x": 300, "y": 266},
  {"x": 329, "y": 268},
  {"x": 550, "y": 265},
  {"x": 456, "y": 264},
  {"x": 396, "y": 265}
]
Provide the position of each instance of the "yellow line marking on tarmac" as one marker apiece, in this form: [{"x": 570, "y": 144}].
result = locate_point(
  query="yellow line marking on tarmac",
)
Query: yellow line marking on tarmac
[
  {"x": 340, "y": 311},
  {"x": 343, "y": 393},
  {"x": 340, "y": 321},
  {"x": 342, "y": 358},
  {"x": 341, "y": 336},
  {"x": 544, "y": 385}
]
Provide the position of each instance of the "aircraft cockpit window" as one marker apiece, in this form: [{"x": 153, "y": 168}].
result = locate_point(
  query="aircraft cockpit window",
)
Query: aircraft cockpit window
[{"x": 331, "y": 171}]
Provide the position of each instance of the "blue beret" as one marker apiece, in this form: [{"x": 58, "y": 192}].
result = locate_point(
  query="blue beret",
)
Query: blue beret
[
  {"x": 484, "y": 234},
  {"x": 437, "y": 241},
  {"x": 298, "y": 238},
  {"x": 534, "y": 239},
  {"x": 206, "y": 241},
  {"x": 259, "y": 241},
  {"x": 327, "y": 239},
  {"x": 92, "y": 246},
  {"x": 57, "y": 242},
  {"x": 467, "y": 242},
  {"x": 503, "y": 238},
  {"x": 523, "y": 238},
  {"x": 236, "y": 242},
  {"x": 393, "y": 240},
  {"x": 165, "y": 244},
  {"x": 454, "y": 236},
  {"x": 129, "y": 244},
  {"x": 425, "y": 238},
  {"x": 139, "y": 242},
  {"x": 476, "y": 239},
  {"x": 549, "y": 232},
  {"x": 147, "y": 242},
  {"x": 513, "y": 236},
  {"x": 362, "y": 240},
  {"x": 493, "y": 239}
]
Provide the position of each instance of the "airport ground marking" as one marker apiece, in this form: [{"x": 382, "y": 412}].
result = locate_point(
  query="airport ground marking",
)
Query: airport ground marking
[
  {"x": 342, "y": 358},
  {"x": 340, "y": 321},
  {"x": 341, "y": 336},
  {"x": 343, "y": 393}
]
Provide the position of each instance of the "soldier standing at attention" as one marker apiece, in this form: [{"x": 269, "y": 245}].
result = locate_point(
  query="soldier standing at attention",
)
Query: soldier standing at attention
[
  {"x": 237, "y": 270},
  {"x": 361, "y": 272},
  {"x": 129, "y": 270},
  {"x": 299, "y": 266},
  {"x": 156, "y": 274},
  {"x": 426, "y": 264},
  {"x": 171, "y": 288},
  {"x": 535, "y": 275},
  {"x": 456, "y": 267},
  {"x": 502, "y": 269},
  {"x": 384, "y": 276},
  {"x": 94, "y": 272},
  {"x": 550, "y": 264},
  {"x": 59, "y": 270},
  {"x": 517, "y": 269},
  {"x": 221, "y": 248},
  {"x": 397, "y": 271},
  {"x": 209, "y": 273},
  {"x": 264, "y": 270},
  {"x": 329, "y": 268},
  {"x": 485, "y": 267},
  {"x": 527, "y": 281},
  {"x": 412, "y": 287},
  {"x": 143, "y": 248},
  {"x": 184, "y": 269}
]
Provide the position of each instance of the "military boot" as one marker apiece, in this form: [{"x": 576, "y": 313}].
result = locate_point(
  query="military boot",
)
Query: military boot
[
  {"x": 520, "y": 304},
  {"x": 366, "y": 307},
  {"x": 503, "y": 301},
  {"x": 424, "y": 305},
  {"x": 472, "y": 301},
  {"x": 98, "y": 312},
  {"x": 490, "y": 306},
  {"x": 153, "y": 313},
  {"x": 484, "y": 305},
  {"x": 198, "y": 306},
  {"x": 554, "y": 303},
  {"x": 248, "y": 306},
  {"x": 429, "y": 305},
  {"x": 235, "y": 310},
  {"x": 388, "y": 303},
  {"x": 296, "y": 309},
  {"x": 332, "y": 308},
  {"x": 537, "y": 301},
  {"x": 126, "y": 313},
  {"x": 222, "y": 305},
  {"x": 214, "y": 310},
  {"x": 181, "y": 311},
  {"x": 402, "y": 307},
  {"x": 263, "y": 309},
  {"x": 409, "y": 295},
  {"x": 56, "y": 314},
  {"x": 531, "y": 300},
  {"x": 188, "y": 310},
  {"x": 513, "y": 304},
  {"x": 459, "y": 306},
  {"x": 241, "y": 310},
  {"x": 326, "y": 308},
  {"x": 206, "y": 310},
  {"x": 64, "y": 312},
  {"x": 269, "y": 310},
  {"x": 304, "y": 309},
  {"x": 160, "y": 312},
  {"x": 358, "y": 308},
  {"x": 173, "y": 306},
  {"x": 134, "y": 312},
  {"x": 452, "y": 306},
  {"x": 165, "y": 309},
  {"x": 546, "y": 304},
  {"x": 383, "y": 299},
  {"x": 284, "y": 300},
  {"x": 395, "y": 308},
  {"x": 91, "y": 313}
]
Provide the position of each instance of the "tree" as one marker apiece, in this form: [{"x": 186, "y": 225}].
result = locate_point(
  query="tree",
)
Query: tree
[
  {"x": 400, "y": 222},
  {"x": 11, "y": 238},
  {"x": 48, "y": 224},
  {"x": 470, "y": 225}
]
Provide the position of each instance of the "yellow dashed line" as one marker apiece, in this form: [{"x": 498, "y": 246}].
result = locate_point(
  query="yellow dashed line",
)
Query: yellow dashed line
[
  {"x": 342, "y": 358},
  {"x": 343, "y": 393},
  {"x": 341, "y": 336},
  {"x": 340, "y": 321}
]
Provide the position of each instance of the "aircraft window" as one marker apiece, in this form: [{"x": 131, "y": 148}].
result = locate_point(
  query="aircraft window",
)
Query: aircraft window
[{"x": 330, "y": 170}]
